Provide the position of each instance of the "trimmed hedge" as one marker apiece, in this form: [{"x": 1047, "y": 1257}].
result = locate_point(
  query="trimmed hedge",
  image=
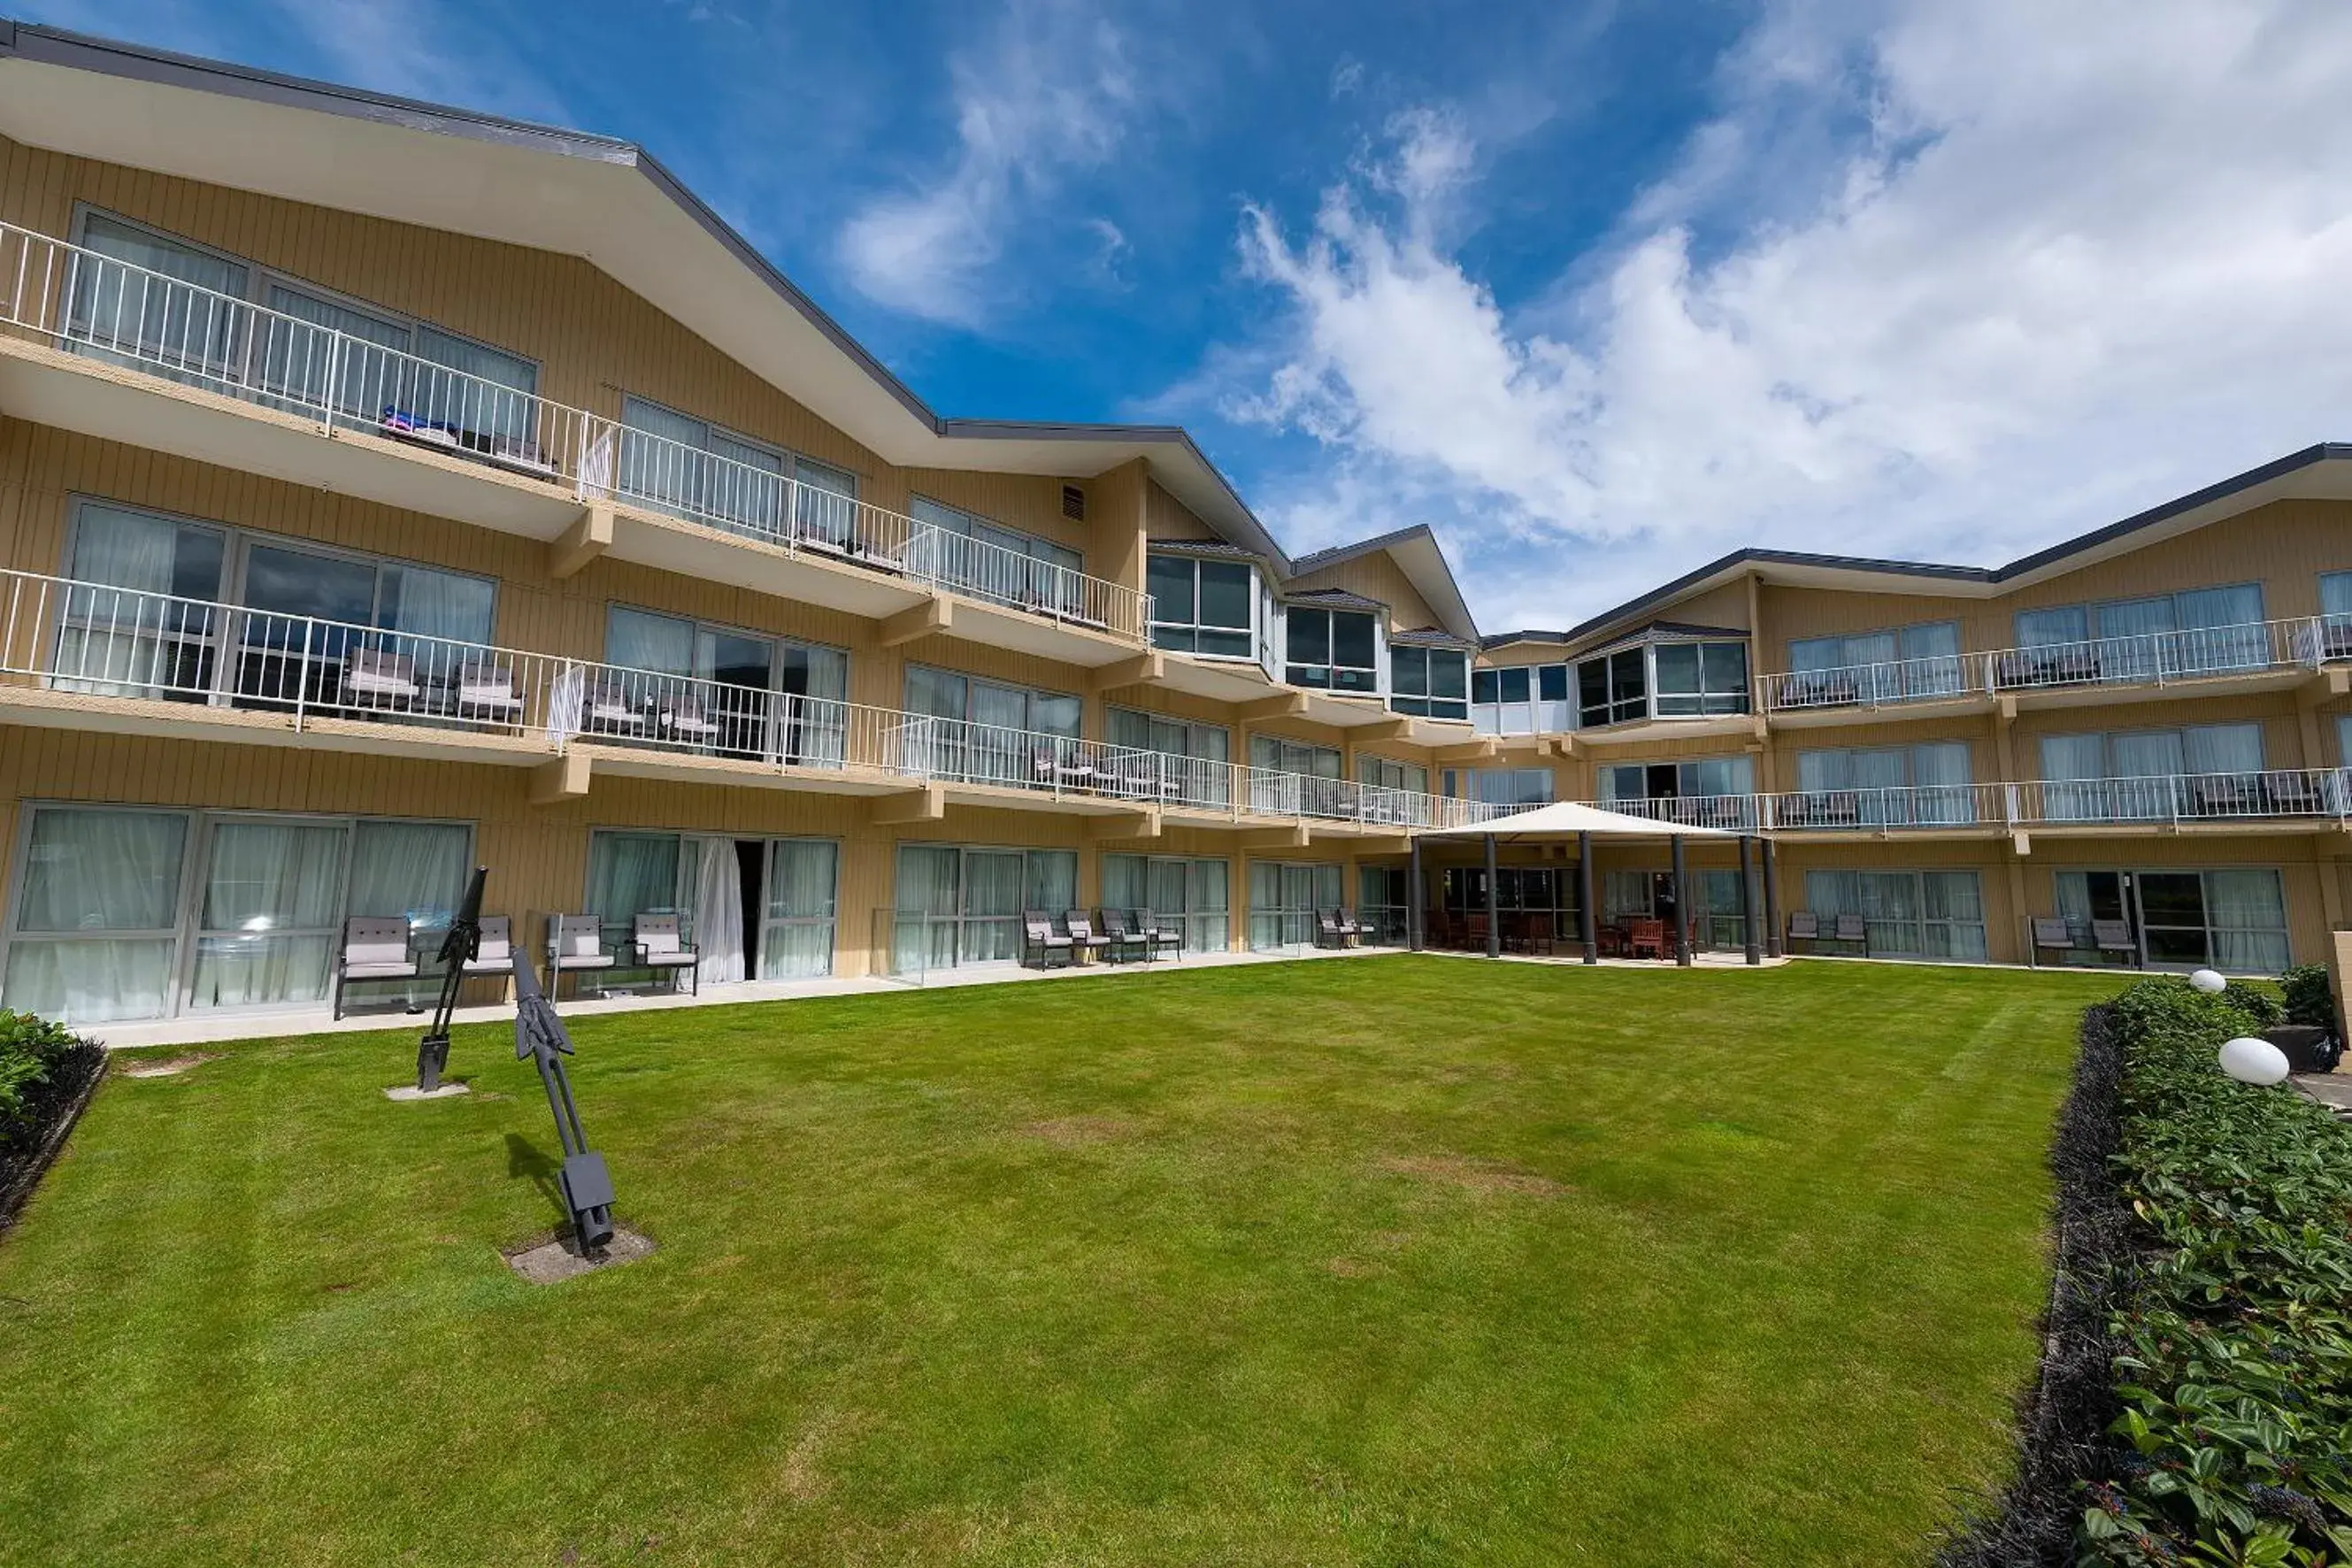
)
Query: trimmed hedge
[
  {"x": 2230, "y": 1324},
  {"x": 46, "y": 1073}
]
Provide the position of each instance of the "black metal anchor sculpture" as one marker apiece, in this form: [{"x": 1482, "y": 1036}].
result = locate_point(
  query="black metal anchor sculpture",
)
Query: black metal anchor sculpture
[
  {"x": 457, "y": 950},
  {"x": 539, "y": 1037}
]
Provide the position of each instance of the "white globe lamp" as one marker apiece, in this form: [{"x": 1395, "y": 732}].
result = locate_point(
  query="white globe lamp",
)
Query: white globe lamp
[
  {"x": 2250, "y": 1060},
  {"x": 2209, "y": 982}
]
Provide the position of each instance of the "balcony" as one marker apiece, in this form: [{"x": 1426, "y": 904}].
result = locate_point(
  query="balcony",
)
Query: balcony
[
  {"x": 2250, "y": 657},
  {"x": 2268, "y": 800},
  {"x": 88, "y": 341},
  {"x": 84, "y": 654}
]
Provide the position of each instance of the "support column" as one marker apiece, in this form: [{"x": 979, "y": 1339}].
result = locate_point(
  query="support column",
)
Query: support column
[
  {"x": 1494, "y": 905},
  {"x": 1588, "y": 916},
  {"x": 1771, "y": 901},
  {"x": 1681, "y": 902},
  {"x": 1747, "y": 898},
  {"x": 1412, "y": 897}
]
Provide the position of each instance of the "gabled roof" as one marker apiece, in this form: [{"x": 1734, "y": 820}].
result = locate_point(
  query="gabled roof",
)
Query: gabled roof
[
  {"x": 1432, "y": 637},
  {"x": 2319, "y": 471},
  {"x": 1332, "y": 599},
  {"x": 1418, "y": 555}
]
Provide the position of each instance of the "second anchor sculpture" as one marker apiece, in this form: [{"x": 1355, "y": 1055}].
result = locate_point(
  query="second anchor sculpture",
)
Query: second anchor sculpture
[{"x": 539, "y": 1037}]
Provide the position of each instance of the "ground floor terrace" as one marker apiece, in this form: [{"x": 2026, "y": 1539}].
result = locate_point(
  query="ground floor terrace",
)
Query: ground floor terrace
[{"x": 152, "y": 879}]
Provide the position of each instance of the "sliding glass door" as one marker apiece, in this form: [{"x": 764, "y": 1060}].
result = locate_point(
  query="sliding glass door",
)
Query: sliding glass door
[
  {"x": 958, "y": 905},
  {"x": 124, "y": 914},
  {"x": 1284, "y": 898},
  {"x": 1192, "y": 893}
]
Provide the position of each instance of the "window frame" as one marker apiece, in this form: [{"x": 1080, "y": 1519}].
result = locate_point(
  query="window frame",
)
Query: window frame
[
  {"x": 1300, "y": 673},
  {"x": 1256, "y": 635}
]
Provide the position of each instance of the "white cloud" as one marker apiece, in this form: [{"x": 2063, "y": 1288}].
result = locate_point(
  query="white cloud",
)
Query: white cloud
[
  {"x": 1046, "y": 95},
  {"x": 2064, "y": 262}
]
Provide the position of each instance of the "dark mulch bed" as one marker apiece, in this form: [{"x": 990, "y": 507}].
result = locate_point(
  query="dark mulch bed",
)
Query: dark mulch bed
[
  {"x": 2062, "y": 1428},
  {"x": 55, "y": 1106}
]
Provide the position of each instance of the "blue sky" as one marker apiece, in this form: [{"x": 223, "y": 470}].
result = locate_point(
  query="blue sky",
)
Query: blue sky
[{"x": 1599, "y": 290}]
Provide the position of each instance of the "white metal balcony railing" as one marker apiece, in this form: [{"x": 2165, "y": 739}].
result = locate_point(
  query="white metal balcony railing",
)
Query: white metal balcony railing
[
  {"x": 2270, "y": 793},
  {"x": 2149, "y": 659},
  {"x": 166, "y": 327},
  {"x": 101, "y": 642}
]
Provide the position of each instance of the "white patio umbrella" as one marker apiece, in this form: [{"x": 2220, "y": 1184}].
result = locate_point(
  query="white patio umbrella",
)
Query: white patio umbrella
[{"x": 1565, "y": 820}]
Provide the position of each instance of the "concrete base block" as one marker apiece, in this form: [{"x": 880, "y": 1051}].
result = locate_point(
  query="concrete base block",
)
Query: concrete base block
[
  {"x": 410, "y": 1092},
  {"x": 551, "y": 1262}
]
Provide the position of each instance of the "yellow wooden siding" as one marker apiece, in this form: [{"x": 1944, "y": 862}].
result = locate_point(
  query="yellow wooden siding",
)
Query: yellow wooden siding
[
  {"x": 1165, "y": 517},
  {"x": 1375, "y": 576}
]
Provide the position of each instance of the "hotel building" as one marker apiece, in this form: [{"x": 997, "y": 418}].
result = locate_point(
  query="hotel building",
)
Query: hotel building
[{"x": 385, "y": 489}]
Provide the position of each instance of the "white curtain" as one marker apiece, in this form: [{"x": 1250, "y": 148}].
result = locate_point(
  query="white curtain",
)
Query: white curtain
[
  {"x": 273, "y": 897},
  {"x": 2223, "y": 748},
  {"x": 120, "y": 644},
  {"x": 2247, "y": 914},
  {"x": 426, "y": 603},
  {"x": 87, "y": 873},
  {"x": 637, "y": 639},
  {"x": 928, "y": 883},
  {"x": 797, "y": 932},
  {"x": 718, "y": 910},
  {"x": 630, "y": 874},
  {"x": 414, "y": 870}
]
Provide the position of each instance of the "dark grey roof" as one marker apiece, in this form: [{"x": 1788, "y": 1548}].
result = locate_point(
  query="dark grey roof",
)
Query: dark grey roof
[
  {"x": 1215, "y": 549},
  {"x": 1332, "y": 599},
  {"x": 2325, "y": 451},
  {"x": 1432, "y": 637}
]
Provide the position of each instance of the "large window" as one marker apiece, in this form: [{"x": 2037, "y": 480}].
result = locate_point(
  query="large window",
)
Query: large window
[
  {"x": 1284, "y": 898},
  {"x": 1904, "y": 664},
  {"x": 1203, "y": 777},
  {"x": 675, "y": 462},
  {"x": 989, "y": 732},
  {"x": 960, "y": 905},
  {"x": 1705, "y": 792},
  {"x": 1431, "y": 681},
  {"x": 1882, "y": 787},
  {"x": 1662, "y": 679},
  {"x": 313, "y": 349},
  {"x": 1912, "y": 914},
  {"x": 1383, "y": 904},
  {"x": 145, "y": 914},
  {"x": 1384, "y": 773},
  {"x": 1331, "y": 650},
  {"x": 989, "y": 560},
  {"x": 2199, "y": 770},
  {"x": 755, "y": 908},
  {"x": 148, "y": 625},
  {"x": 715, "y": 689},
  {"x": 1287, "y": 777},
  {"x": 1522, "y": 699},
  {"x": 1195, "y": 893},
  {"x": 2199, "y": 631},
  {"x": 2232, "y": 920},
  {"x": 1501, "y": 787},
  {"x": 1205, "y": 606}
]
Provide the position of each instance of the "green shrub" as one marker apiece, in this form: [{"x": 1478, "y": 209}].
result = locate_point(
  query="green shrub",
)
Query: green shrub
[
  {"x": 2256, "y": 1003},
  {"x": 2310, "y": 996},
  {"x": 31, "y": 1048},
  {"x": 2232, "y": 1330}
]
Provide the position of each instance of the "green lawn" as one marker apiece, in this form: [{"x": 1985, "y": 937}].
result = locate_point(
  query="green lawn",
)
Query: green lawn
[{"x": 1400, "y": 1261}]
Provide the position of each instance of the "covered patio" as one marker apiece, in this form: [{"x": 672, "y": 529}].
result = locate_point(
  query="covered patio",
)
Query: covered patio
[{"x": 1563, "y": 823}]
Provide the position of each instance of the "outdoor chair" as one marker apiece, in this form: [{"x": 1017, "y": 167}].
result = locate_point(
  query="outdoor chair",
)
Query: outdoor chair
[
  {"x": 374, "y": 947},
  {"x": 377, "y": 677},
  {"x": 1169, "y": 938},
  {"x": 1538, "y": 933},
  {"x": 494, "y": 954},
  {"x": 1474, "y": 935},
  {"x": 1326, "y": 929},
  {"x": 487, "y": 691},
  {"x": 1039, "y": 944},
  {"x": 1054, "y": 768},
  {"x": 2291, "y": 794},
  {"x": 656, "y": 944},
  {"x": 1804, "y": 926},
  {"x": 609, "y": 710},
  {"x": 681, "y": 718},
  {"x": 2114, "y": 937},
  {"x": 1852, "y": 931},
  {"x": 575, "y": 943},
  {"x": 1351, "y": 931},
  {"x": 1083, "y": 939},
  {"x": 1645, "y": 936},
  {"x": 1125, "y": 941},
  {"x": 2052, "y": 936}
]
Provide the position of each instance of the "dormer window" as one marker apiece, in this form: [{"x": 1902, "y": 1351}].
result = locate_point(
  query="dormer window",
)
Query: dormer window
[
  {"x": 1203, "y": 606},
  {"x": 1669, "y": 673},
  {"x": 1332, "y": 650}
]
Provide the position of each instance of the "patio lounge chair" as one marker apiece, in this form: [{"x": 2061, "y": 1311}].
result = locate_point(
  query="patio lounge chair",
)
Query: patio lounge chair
[
  {"x": 575, "y": 943},
  {"x": 681, "y": 718},
  {"x": 1039, "y": 944},
  {"x": 1326, "y": 929},
  {"x": 374, "y": 949},
  {"x": 1083, "y": 939},
  {"x": 487, "y": 691},
  {"x": 2114, "y": 937},
  {"x": 1852, "y": 931},
  {"x": 377, "y": 677},
  {"x": 1124, "y": 939},
  {"x": 1164, "y": 938},
  {"x": 494, "y": 954},
  {"x": 2052, "y": 936},
  {"x": 1804, "y": 926},
  {"x": 609, "y": 710},
  {"x": 656, "y": 944}
]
